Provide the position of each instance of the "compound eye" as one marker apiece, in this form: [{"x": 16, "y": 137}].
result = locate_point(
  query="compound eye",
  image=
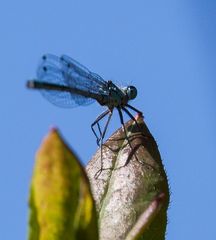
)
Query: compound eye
[{"x": 132, "y": 92}]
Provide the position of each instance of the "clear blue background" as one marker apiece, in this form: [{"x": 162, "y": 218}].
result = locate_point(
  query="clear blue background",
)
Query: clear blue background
[{"x": 165, "y": 48}]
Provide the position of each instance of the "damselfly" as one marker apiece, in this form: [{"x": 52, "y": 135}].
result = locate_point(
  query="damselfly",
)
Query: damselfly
[{"x": 66, "y": 83}]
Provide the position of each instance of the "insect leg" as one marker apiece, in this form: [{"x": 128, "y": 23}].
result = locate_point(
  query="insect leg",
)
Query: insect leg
[
  {"x": 100, "y": 117},
  {"x": 133, "y": 108},
  {"x": 131, "y": 116},
  {"x": 106, "y": 125},
  {"x": 122, "y": 122},
  {"x": 125, "y": 132},
  {"x": 101, "y": 143}
]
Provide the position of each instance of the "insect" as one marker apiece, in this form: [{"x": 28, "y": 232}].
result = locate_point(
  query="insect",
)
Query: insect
[{"x": 66, "y": 83}]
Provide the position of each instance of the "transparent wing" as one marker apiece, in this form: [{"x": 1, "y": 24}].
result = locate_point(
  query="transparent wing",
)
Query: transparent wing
[
  {"x": 67, "y": 72},
  {"x": 80, "y": 77}
]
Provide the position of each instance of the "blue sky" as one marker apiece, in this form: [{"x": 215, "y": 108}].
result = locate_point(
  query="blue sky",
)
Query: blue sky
[{"x": 165, "y": 48}]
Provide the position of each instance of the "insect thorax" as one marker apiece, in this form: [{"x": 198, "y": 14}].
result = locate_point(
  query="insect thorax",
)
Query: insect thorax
[{"x": 114, "y": 97}]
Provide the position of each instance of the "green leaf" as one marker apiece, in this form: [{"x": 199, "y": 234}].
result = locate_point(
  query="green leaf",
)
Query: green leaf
[
  {"x": 61, "y": 205},
  {"x": 141, "y": 228},
  {"x": 128, "y": 191}
]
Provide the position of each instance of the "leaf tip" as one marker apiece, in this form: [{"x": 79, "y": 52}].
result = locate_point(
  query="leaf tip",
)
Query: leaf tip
[
  {"x": 139, "y": 116},
  {"x": 53, "y": 129}
]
